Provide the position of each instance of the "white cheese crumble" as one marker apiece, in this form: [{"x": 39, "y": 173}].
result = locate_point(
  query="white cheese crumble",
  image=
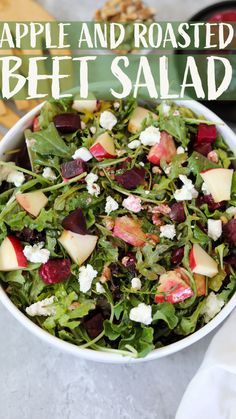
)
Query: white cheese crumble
[
  {"x": 141, "y": 314},
  {"x": 42, "y": 308},
  {"x": 134, "y": 144},
  {"x": 180, "y": 150},
  {"x": 107, "y": 120},
  {"x": 36, "y": 253},
  {"x": 168, "y": 231},
  {"x": 150, "y": 136},
  {"x": 167, "y": 170},
  {"x": 83, "y": 125},
  {"x": 116, "y": 105},
  {"x": 86, "y": 277},
  {"x": 231, "y": 211},
  {"x": 136, "y": 283},
  {"x": 212, "y": 306},
  {"x": 82, "y": 153},
  {"x": 111, "y": 205},
  {"x": 93, "y": 130},
  {"x": 187, "y": 192},
  {"x": 100, "y": 288},
  {"x": 49, "y": 174},
  {"x": 166, "y": 109},
  {"x": 132, "y": 203},
  {"x": 141, "y": 163},
  {"x": 92, "y": 187},
  {"x": 205, "y": 190},
  {"x": 15, "y": 177},
  {"x": 214, "y": 229}
]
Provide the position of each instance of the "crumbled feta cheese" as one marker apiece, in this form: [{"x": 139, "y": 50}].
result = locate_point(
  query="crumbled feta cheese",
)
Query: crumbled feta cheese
[
  {"x": 150, "y": 136},
  {"x": 205, "y": 189},
  {"x": 92, "y": 187},
  {"x": 49, "y": 174},
  {"x": 93, "y": 130},
  {"x": 82, "y": 153},
  {"x": 141, "y": 163},
  {"x": 116, "y": 105},
  {"x": 167, "y": 170},
  {"x": 141, "y": 314},
  {"x": 42, "y": 308},
  {"x": 168, "y": 231},
  {"x": 15, "y": 177},
  {"x": 231, "y": 211},
  {"x": 214, "y": 229},
  {"x": 100, "y": 288},
  {"x": 136, "y": 283},
  {"x": 134, "y": 144},
  {"x": 212, "y": 306},
  {"x": 187, "y": 192},
  {"x": 36, "y": 253},
  {"x": 180, "y": 150},
  {"x": 107, "y": 120},
  {"x": 83, "y": 125},
  {"x": 86, "y": 277},
  {"x": 165, "y": 109},
  {"x": 132, "y": 203},
  {"x": 111, "y": 205}
]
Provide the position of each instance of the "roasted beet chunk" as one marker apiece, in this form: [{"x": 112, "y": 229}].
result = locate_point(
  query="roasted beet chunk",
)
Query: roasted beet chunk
[
  {"x": 75, "y": 222},
  {"x": 131, "y": 178},
  {"x": 129, "y": 261},
  {"x": 30, "y": 236},
  {"x": 212, "y": 205},
  {"x": 206, "y": 133},
  {"x": 177, "y": 255},
  {"x": 203, "y": 148},
  {"x": 177, "y": 212},
  {"x": 94, "y": 325},
  {"x": 229, "y": 231},
  {"x": 73, "y": 168},
  {"x": 55, "y": 271},
  {"x": 67, "y": 122}
]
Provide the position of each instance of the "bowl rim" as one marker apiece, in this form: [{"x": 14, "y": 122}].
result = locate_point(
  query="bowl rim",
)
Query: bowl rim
[{"x": 102, "y": 356}]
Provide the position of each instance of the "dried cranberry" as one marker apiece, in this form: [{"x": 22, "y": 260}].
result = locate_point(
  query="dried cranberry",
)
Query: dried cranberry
[
  {"x": 131, "y": 178},
  {"x": 131, "y": 262},
  {"x": 75, "y": 222},
  {"x": 94, "y": 325},
  {"x": 55, "y": 271},
  {"x": 208, "y": 199},
  {"x": 30, "y": 236},
  {"x": 67, "y": 122},
  {"x": 73, "y": 168},
  {"x": 177, "y": 212},
  {"x": 206, "y": 133},
  {"x": 229, "y": 231},
  {"x": 203, "y": 148},
  {"x": 177, "y": 255}
]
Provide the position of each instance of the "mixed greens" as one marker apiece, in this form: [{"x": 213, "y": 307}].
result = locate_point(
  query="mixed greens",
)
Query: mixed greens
[{"x": 118, "y": 224}]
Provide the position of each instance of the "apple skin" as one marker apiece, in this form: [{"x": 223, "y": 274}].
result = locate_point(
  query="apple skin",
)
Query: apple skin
[
  {"x": 78, "y": 246},
  {"x": 103, "y": 148},
  {"x": 11, "y": 255},
  {"x": 99, "y": 152},
  {"x": 32, "y": 202},
  {"x": 129, "y": 230},
  {"x": 172, "y": 288},
  {"x": 137, "y": 118},
  {"x": 36, "y": 126},
  {"x": 164, "y": 150},
  {"x": 219, "y": 182},
  {"x": 201, "y": 263}
]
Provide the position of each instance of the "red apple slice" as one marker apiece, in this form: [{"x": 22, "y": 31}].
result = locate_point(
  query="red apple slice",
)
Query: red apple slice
[
  {"x": 32, "y": 202},
  {"x": 201, "y": 263},
  {"x": 36, "y": 125},
  {"x": 137, "y": 118},
  {"x": 164, "y": 150},
  {"x": 172, "y": 288},
  {"x": 78, "y": 246},
  {"x": 200, "y": 281},
  {"x": 103, "y": 148},
  {"x": 129, "y": 230},
  {"x": 90, "y": 106},
  {"x": 218, "y": 182},
  {"x": 11, "y": 255}
]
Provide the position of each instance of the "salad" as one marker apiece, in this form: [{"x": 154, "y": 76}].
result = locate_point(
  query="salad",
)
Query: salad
[{"x": 118, "y": 223}]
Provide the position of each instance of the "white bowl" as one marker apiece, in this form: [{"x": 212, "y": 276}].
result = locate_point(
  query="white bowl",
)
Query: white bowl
[{"x": 10, "y": 141}]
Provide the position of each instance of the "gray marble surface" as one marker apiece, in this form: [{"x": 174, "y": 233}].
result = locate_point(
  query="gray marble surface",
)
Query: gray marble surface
[{"x": 39, "y": 382}]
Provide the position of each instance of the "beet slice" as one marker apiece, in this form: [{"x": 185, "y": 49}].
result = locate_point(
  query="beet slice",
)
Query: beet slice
[
  {"x": 131, "y": 178},
  {"x": 208, "y": 199},
  {"x": 73, "y": 168},
  {"x": 75, "y": 222},
  {"x": 206, "y": 133},
  {"x": 177, "y": 255},
  {"x": 203, "y": 148},
  {"x": 67, "y": 122},
  {"x": 94, "y": 325},
  {"x": 55, "y": 271},
  {"x": 177, "y": 212},
  {"x": 229, "y": 232}
]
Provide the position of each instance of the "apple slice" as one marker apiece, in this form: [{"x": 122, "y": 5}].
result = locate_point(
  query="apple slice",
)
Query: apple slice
[
  {"x": 201, "y": 263},
  {"x": 164, "y": 150},
  {"x": 172, "y": 288},
  {"x": 129, "y": 230},
  {"x": 200, "y": 281},
  {"x": 36, "y": 125},
  {"x": 137, "y": 118},
  {"x": 90, "y": 106},
  {"x": 11, "y": 255},
  {"x": 32, "y": 202},
  {"x": 218, "y": 182},
  {"x": 103, "y": 148},
  {"x": 78, "y": 246}
]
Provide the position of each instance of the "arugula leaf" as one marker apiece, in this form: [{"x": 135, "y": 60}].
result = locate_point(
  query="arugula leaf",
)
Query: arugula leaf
[
  {"x": 51, "y": 109},
  {"x": 141, "y": 340},
  {"x": 200, "y": 236},
  {"x": 216, "y": 282},
  {"x": 229, "y": 289},
  {"x": 188, "y": 324},
  {"x": 48, "y": 141},
  {"x": 14, "y": 276},
  {"x": 198, "y": 163},
  {"x": 175, "y": 126},
  {"x": 165, "y": 312}
]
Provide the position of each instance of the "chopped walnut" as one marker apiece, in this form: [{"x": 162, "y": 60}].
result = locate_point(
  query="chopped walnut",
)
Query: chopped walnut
[
  {"x": 156, "y": 170},
  {"x": 153, "y": 239},
  {"x": 156, "y": 220},
  {"x": 109, "y": 223},
  {"x": 213, "y": 156},
  {"x": 106, "y": 274},
  {"x": 125, "y": 11},
  {"x": 161, "y": 209},
  {"x": 74, "y": 305}
]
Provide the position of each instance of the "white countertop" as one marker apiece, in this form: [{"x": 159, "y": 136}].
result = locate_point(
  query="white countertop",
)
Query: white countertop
[{"x": 39, "y": 382}]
